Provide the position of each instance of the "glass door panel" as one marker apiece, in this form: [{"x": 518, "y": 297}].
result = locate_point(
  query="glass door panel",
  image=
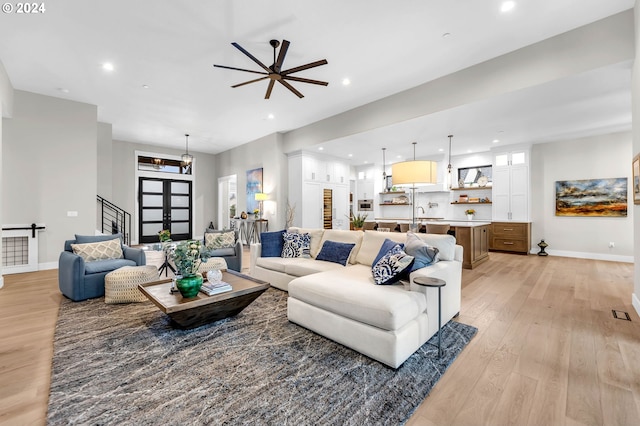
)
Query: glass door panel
[{"x": 164, "y": 204}]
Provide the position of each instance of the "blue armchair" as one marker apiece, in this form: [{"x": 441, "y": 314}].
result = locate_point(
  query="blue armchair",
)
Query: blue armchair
[
  {"x": 231, "y": 253},
  {"x": 81, "y": 280}
]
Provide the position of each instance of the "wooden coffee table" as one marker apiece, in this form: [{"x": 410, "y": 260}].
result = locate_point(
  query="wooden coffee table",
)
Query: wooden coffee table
[{"x": 203, "y": 309}]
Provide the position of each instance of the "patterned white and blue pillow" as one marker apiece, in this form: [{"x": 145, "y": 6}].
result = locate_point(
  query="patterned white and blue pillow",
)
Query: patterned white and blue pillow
[
  {"x": 296, "y": 245},
  {"x": 390, "y": 266}
]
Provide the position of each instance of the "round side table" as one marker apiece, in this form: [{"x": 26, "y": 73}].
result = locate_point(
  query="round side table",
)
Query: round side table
[{"x": 434, "y": 282}]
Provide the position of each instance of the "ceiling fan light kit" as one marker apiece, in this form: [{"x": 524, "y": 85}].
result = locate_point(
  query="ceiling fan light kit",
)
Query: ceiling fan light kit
[{"x": 274, "y": 72}]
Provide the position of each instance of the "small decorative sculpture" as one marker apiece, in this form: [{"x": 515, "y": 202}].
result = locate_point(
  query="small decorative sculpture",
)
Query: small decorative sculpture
[
  {"x": 243, "y": 215},
  {"x": 542, "y": 246}
]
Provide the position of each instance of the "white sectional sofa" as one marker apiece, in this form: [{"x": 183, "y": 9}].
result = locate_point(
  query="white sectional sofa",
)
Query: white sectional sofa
[{"x": 384, "y": 322}]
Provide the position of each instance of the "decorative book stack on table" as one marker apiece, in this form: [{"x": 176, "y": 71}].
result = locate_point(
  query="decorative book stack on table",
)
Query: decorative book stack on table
[{"x": 211, "y": 288}]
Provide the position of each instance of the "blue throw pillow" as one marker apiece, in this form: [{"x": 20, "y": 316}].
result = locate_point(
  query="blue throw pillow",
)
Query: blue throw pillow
[
  {"x": 272, "y": 243},
  {"x": 425, "y": 255},
  {"x": 332, "y": 251},
  {"x": 386, "y": 246},
  {"x": 390, "y": 267}
]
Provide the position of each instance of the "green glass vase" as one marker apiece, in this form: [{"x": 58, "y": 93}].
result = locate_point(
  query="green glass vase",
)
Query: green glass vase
[{"x": 189, "y": 286}]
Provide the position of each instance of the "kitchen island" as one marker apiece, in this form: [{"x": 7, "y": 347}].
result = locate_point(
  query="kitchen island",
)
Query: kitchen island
[{"x": 472, "y": 235}]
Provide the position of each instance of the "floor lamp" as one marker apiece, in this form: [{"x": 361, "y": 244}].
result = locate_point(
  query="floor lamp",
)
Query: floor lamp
[{"x": 414, "y": 173}]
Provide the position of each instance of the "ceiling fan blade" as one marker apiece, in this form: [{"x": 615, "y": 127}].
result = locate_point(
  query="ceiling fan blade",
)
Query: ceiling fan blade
[
  {"x": 249, "y": 82},
  {"x": 305, "y": 67},
  {"x": 253, "y": 58},
  {"x": 269, "y": 89},
  {"x": 305, "y": 80},
  {"x": 239, "y": 69},
  {"x": 283, "y": 51},
  {"x": 290, "y": 87}
]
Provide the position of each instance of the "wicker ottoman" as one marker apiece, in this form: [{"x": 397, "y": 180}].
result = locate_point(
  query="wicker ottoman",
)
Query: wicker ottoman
[
  {"x": 212, "y": 263},
  {"x": 121, "y": 285}
]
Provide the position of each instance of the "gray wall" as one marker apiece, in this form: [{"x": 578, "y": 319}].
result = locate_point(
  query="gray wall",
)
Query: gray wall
[
  {"x": 6, "y": 105},
  {"x": 267, "y": 153},
  {"x": 49, "y": 168},
  {"x": 105, "y": 156},
  {"x": 606, "y": 156},
  {"x": 124, "y": 182},
  {"x": 635, "y": 151}
]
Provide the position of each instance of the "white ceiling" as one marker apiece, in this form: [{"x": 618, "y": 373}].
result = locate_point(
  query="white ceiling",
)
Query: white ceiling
[{"x": 382, "y": 47}]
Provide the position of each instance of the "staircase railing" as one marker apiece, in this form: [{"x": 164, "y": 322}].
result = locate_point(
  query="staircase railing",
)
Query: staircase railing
[{"x": 114, "y": 219}]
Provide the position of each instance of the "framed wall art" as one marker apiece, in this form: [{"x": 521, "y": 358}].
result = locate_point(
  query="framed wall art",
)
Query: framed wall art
[
  {"x": 254, "y": 185},
  {"x": 592, "y": 197}
]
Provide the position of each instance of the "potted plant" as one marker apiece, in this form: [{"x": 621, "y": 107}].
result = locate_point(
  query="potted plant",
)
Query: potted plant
[
  {"x": 164, "y": 235},
  {"x": 357, "y": 221},
  {"x": 187, "y": 256},
  {"x": 470, "y": 213}
]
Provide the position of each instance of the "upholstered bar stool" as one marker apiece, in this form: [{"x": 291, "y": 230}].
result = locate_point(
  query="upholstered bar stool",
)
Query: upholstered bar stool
[{"x": 433, "y": 228}]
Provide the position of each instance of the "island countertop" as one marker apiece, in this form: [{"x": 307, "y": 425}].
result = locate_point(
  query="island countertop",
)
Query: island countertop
[{"x": 439, "y": 221}]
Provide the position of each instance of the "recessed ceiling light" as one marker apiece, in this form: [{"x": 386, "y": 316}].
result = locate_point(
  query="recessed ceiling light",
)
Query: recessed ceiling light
[
  {"x": 469, "y": 151},
  {"x": 445, "y": 35},
  {"x": 507, "y": 6},
  {"x": 496, "y": 140},
  {"x": 441, "y": 149},
  {"x": 63, "y": 90},
  {"x": 271, "y": 116},
  {"x": 398, "y": 156},
  {"x": 366, "y": 162},
  {"x": 346, "y": 82},
  {"x": 320, "y": 148},
  {"x": 107, "y": 66},
  {"x": 350, "y": 155},
  {"x": 145, "y": 86}
]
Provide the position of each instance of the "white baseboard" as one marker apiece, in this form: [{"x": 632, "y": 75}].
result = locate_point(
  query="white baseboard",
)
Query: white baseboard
[
  {"x": 47, "y": 265},
  {"x": 1, "y": 281},
  {"x": 636, "y": 303},
  {"x": 584, "y": 255}
]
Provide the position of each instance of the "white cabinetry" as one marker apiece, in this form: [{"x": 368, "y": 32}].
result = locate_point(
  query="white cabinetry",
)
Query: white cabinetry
[
  {"x": 511, "y": 186},
  {"x": 309, "y": 176}
]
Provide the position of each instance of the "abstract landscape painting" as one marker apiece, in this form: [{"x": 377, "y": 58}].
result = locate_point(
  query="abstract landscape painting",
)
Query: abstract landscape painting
[{"x": 592, "y": 197}]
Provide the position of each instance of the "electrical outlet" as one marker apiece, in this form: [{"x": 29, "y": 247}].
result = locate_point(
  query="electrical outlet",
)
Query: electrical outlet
[{"x": 612, "y": 244}]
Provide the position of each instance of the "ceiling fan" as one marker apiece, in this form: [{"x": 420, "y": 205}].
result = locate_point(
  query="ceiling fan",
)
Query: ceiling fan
[{"x": 274, "y": 72}]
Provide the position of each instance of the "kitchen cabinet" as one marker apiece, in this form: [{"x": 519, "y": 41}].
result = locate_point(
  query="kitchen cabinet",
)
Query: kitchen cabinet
[
  {"x": 511, "y": 186},
  {"x": 309, "y": 177},
  {"x": 512, "y": 237},
  {"x": 475, "y": 243}
]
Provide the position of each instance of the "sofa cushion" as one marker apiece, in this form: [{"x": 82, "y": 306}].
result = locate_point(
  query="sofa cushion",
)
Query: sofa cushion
[
  {"x": 424, "y": 254},
  {"x": 295, "y": 245},
  {"x": 390, "y": 267},
  {"x": 220, "y": 239},
  {"x": 351, "y": 293},
  {"x": 316, "y": 238},
  {"x": 335, "y": 252},
  {"x": 446, "y": 244},
  {"x": 310, "y": 266},
  {"x": 272, "y": 243},
  {"x": 106, "y": 265},
  {"x": 341, "y": 236},
  {"x": 277, "y": 264},
  {"x": 372, "y": 242},
  {"x": 101, "y": 250}
]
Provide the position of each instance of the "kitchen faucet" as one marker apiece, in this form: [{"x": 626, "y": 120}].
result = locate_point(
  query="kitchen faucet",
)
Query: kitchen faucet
[{"x": 421, "y": 208}]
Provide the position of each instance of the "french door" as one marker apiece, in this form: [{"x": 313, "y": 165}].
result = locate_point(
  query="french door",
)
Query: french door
[{"x": 164, "y": 204}]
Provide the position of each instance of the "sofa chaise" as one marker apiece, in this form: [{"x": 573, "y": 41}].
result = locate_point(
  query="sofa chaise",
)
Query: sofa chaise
[{"x": 385, "y": 322}]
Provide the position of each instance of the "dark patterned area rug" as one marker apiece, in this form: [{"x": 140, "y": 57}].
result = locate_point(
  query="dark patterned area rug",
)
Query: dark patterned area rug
[{"x": 126, "y": 365}]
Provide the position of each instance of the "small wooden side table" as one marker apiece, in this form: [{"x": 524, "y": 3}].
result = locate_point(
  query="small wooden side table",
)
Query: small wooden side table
[{"x": 434, "y": 282}]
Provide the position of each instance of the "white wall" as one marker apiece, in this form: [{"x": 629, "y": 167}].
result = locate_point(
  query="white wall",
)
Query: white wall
[
  {"x": 6, "y": 99},
  {"x": 605, "y": 42},
  {"x": 635, "y": 87},
  {"x": 49, "y": 169},
  {"x": 105, "y": 157},
  {"x": 124, "y": 183},
  {"x": 607, "y": 156},
  {"x": 267, "y": 153}
]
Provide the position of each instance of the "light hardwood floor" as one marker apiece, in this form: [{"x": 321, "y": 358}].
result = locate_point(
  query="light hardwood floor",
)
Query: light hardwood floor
[{"x": 548, "y": 350}]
